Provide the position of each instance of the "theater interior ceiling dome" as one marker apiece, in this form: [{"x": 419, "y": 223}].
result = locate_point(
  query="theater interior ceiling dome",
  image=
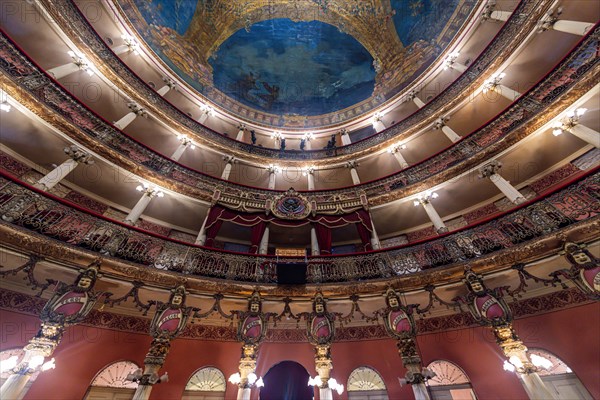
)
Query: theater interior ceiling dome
[{"x": 298, "y": 64}]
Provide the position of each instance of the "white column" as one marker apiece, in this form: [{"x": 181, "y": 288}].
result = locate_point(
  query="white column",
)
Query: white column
[
  {"x": 129, "y": 45},
  {"x": 240, "y": 134},
  {"x": 507, "y": 92},
  {"x": 76, "y": 156},
  {"x": 435, "y": 218},
  {"x": 264, "y": 242},
  {"x": 413, "y": 96},
  {"x": 307, "y": 144},
  {"x": 314, "y": 243},
  {"x": 374, "y": 237},
  {"x": 142, "y": 392},
  {"x": 136, "y": 111},
  {"x": 201, "y": 238},
  {"x": 205, "y": 112},
  {"x": 586, "y": 134},
  {"x": 345, "y": 137},
  {"x": 551, "y": 21},
  {"x": 457, "y": 66},
  {"x": 229, "y": 161},
  {"x": 352, "y": 166},
  {"x": 449, "y": 132},
  {"x": 325, "y": 393},
  {"x": 536, "y": 388},
  {"x": 500, "y": 15},
  {"x": 311, "y": 179},
  {"x": 378, "y": 124},
  {"x": 401, "y": 161},
  {"x": 491, "y": 171},
  {"x": 14, "y": 386},
  {"x": 243, "y": 393},
  {"x": 185, "y": 143},
  {"x": 147, "y": 196},
  {"x": 63, "y": 70},
  {"x": 169, "y": 84},
  {"x": 272, "y": 175}
]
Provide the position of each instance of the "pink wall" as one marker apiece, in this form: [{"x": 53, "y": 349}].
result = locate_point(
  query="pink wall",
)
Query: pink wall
[{"x": 570, "y": 334}]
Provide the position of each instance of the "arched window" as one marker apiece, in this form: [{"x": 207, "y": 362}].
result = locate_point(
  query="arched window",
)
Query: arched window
[
  {"x": 365, "y": 383},
  {"x": 19, "y": 353},
  {"x": 450, "y": 382},
  {"x": 111, "y": 383},
  {"x": 205, "y": 384},
  {"x": 558, "y": 376}
]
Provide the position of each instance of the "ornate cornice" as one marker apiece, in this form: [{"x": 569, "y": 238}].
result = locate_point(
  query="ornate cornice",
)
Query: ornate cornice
[
  {"x": 576, "y": 75},
  {"x": 72, "y": 22},
  {"x": 532, "y": 232},
  {"x": 555, "y": 301}
]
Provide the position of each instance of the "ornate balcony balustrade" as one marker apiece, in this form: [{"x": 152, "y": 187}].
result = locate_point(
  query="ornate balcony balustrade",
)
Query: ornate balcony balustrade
[
  {"x": 513, "y": 32},
  {"x": 531, "y": 111},
  {"x": 26, "y": 207}
]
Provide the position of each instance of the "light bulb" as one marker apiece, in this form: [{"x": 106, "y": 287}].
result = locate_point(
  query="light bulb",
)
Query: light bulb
[
  {"x": 235, "y": 378},
  {"x": 581, "y": 111},
  {"x": 516, "y": 361},
  {"x": 508, "y": 366},
  {"x": 4, "y": 106},
  {"x": 48, "y": 365},
  {"x": 252, "y": 378},
  {"x": 541, "y": 361},
  {"x": 416, "y": 203},
  {"x": 35, "y": 361},
  {"x": 9, "y": 363},
  {"x": 312, "y": 381},
  {"x": 260, "y": 383}
]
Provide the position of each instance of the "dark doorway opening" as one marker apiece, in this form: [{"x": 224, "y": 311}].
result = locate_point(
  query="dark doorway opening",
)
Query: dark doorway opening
[{"x": 287, "y": 380}]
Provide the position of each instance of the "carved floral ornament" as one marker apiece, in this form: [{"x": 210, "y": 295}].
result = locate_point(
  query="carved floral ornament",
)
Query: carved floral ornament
[{"x": 291, "y": 205}]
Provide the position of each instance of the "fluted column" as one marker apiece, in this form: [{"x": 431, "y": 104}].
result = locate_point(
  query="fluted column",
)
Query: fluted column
[
  {"x": 433, "y": 215},
  {"x": 352, "y": 165},
  {"x": 205, "y": 112},
  {"x": 240, "y": 134},
  {"x": 491, "y": 171},
  {"x": 551, "y": 21},
  {"x": 129, "y": 45},
  {"x": 76, "y": 156},
  {"x": 570, "y": 123},
  {"x": 451, "y": 63},
  {"x": 490, "y": 13},
  {"x": 169, "y": 84},
  {"x": 493, "y": 84},
  {"x": 80, "y": 63},
  {"x": 229, "y": 161},
  {"x": 136, "y": 111},
  {"x": 148, "y": 194},
  {"x": 449, "y": 132},
  {"x": 412, "y": 96},
  {"x": 345, "y": 137},
  {"x": 185, "y": 143},
  {"x": 273, "y": 170},
  {"x": 378, "y": 124},
  {"x": 264, "y": 242}
]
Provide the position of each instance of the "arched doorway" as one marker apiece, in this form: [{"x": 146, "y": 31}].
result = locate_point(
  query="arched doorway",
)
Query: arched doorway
[{"x": 287, "y": 380}]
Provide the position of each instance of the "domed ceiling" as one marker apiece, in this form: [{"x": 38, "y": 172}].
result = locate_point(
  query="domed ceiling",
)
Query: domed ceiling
[{"x": 301, "y": 63}]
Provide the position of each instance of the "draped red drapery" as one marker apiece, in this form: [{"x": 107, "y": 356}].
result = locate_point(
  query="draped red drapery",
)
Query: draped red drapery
[{"x": 258, "y": 222}]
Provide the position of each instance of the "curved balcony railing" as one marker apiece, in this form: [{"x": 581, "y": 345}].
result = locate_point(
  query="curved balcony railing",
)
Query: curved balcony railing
[
  {"x": 26, "y": 207},
  {"x": 500, "y": 133},
  {"x": 508, "y": 37}
]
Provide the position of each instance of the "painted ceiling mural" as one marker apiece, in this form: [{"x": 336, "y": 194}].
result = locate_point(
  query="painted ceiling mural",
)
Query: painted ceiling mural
[{"x": 301, "y": 63}]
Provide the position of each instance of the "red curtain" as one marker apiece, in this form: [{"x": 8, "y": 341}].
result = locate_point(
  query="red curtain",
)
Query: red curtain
[
  {"x": 323, "y": 238},
  {"x": 364, "y": 229},
  {"x": 257, "y": 233},
  {"x": 213, "y": 225}
]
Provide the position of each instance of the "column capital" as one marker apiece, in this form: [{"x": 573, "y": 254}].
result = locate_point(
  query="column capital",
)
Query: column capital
[
  {"x": 150, "y": 191},
  {"x": 570, "y": 120},
  {"x": 412, "y": 94},
  {"x": 440, "y": 122},
  {"x": 78, "y": 155},
  {"x": 493, "y": 81},
  {"x": 186, "y": 141},
  {"x": 79, "y": 60},
  {"x": 273, "y": 169},
  {"x": 450, "y": 59},
  {"x": 230, "y": 160},
  {"x": 343, "y": 132},
  {"x": 308, "y": 170},
  {"x": 130, "y": 42},
  {"x": 352, "y": 164},
  {"x": 547, "y": 22},
  {"x": 170, "y": 82},
  {"x": 137, "y": 109},
  {"x": 491, "y": 168},
  {"x": 241, "y": 127},
  {"x": 395, "y": 148}
]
